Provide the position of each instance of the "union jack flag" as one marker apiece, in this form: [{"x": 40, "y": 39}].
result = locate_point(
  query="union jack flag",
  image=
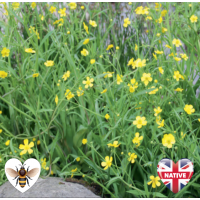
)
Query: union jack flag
[{"x": 175, "y": 176}]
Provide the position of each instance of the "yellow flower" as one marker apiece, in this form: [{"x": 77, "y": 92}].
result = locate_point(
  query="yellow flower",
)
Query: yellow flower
[
  {"x": 3, "y": 74},
  {"x": 7, "y": 142},
  {"x": 177, "y": 75},
  {"x": 56, "y": 99},
  {"x": 168, "y": 140},
  {"x": 158, "y": 52},
  {"x": 66, "y": 75},
  {"x": 49, "y": 63},
  {"x": 177, "y": 59},
  {"x": 163, "y": 13},
  {"x": 126, "y": 22},
  {"x": 154, "y": 181},
  {"x": 78, "y": 159},
  {"x": 146, "y": 78},
  {"x": 92, "y": 61},
  {"x": 148, "y": 18},
  {"x": 140, "y": 121},
  {"x": 29, "y": 50},
  {"x": 15, "y": 5},
  {"x": 82, "y": 7},
  {"x": 104, "y": 91},
  {"x": 155, "y": 56},
  {"x": 43, "y": 163},
  {"x": 68, "y": 94},
  {"x": 42, "y": 18},
  {"x": 189, "y": 109},
  {"x": 108, "y": 74},
  {"x": 52, "y": 9},
  {"x": 51, "y": 172},
  {"x": 160, "y": 20},
  {"x": 133, "y": 85},
  {"x": 84, "y": 141},
  {"x": 80, "y": 92},
  {"x": 184, "y": 56},
  {"x": 68, "y": 32},
  {"x": 164, "y": 30},
  {"x": 129, "y": 3},
  {"x": 62, "y": 12},
  {"x": 72, "y": 5},
  {"x": 88, "y": 82},
  {"x": 108, "y": 162},
  {"x": 171, "y": 54},
  {"x": 158, "y": 34},
  {"x": 119, "y": 79},
  {"x": 137, "y": 138},
  {"x": 132, "y": 62},
  {"x": 107, "y": 116},
  {"x": 153, "y": 91},
  {"x": 182, "y": 77},
  {"x": 157, "y": 110},
  {"x": 157, "y": 5},
  {"x": 85, "y": 27},
  {"x": 109, "y": 47},
  {"x": 1, "y": 130},
  {"x": 139, "y": 10},
  {"x": 33, "y": 5},
  {"x": 38, "y": 142},
  {"x": 34, "y": 139},
  {"x": 35, "y": 75},
  {"x": 176, "y": 42},
  {"x": 178, "y": 89},
  {"x": 86, "y": 41},
  {"x": 193, "y": 18},
  {"x": 93, "y": 23},
  {"x": 5, "y": 52},
  {"x": 136, "y": 47},
  {"x": 117, "y": 48},
  {"x": 140, "y": 63},
  {"x": 47, "y": 168},
  {"x": 167, "y": 46},
  {"x": 115, "y": 144},
  {"x": 26, "y": 147},
  {"x": 84, "y": 52},
  {"x": 132, "y": 157}
]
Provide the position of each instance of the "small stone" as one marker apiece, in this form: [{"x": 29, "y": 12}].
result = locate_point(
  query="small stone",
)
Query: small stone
[{"x": 51, "y": 187}]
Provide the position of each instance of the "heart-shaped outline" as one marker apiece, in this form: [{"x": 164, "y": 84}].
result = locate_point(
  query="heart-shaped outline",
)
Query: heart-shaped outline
[
  {"x": 173, "y": 183},
  {"x": 14, "y": 163}
]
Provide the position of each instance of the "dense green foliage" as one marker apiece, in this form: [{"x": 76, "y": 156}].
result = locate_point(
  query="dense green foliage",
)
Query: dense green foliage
[{"x": 48, "y": 110}]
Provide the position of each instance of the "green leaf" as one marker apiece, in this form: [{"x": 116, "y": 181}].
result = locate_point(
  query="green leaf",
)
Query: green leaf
[
  {"x": 77, "y": 139},
  {"x": 157, "y": 194},
  {"x": 137, "y": 193},
  {"x": 56, "y": 160}
]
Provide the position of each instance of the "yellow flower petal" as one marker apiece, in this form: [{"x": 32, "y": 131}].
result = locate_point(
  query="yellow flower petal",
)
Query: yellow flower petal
[
  {"x": 26, "y": 141},
  {"x": 30, "y": 151}
]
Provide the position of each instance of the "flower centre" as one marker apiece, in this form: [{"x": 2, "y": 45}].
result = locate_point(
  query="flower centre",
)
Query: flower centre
[
  {"x": 169, "y": 141},
  {"x": 26, "y": 147},
  {"x": 88, "y": 82}
]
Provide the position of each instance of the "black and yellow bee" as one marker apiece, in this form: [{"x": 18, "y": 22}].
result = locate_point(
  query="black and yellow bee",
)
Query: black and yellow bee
[{"x": 22, "y": 175}]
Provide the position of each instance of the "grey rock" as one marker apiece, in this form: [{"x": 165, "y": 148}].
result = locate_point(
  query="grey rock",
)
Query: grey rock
[{"x": 49, "y": 187}]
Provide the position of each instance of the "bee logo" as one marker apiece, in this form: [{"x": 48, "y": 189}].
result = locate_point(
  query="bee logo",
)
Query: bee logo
[{"x": 22, "y": 176}]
